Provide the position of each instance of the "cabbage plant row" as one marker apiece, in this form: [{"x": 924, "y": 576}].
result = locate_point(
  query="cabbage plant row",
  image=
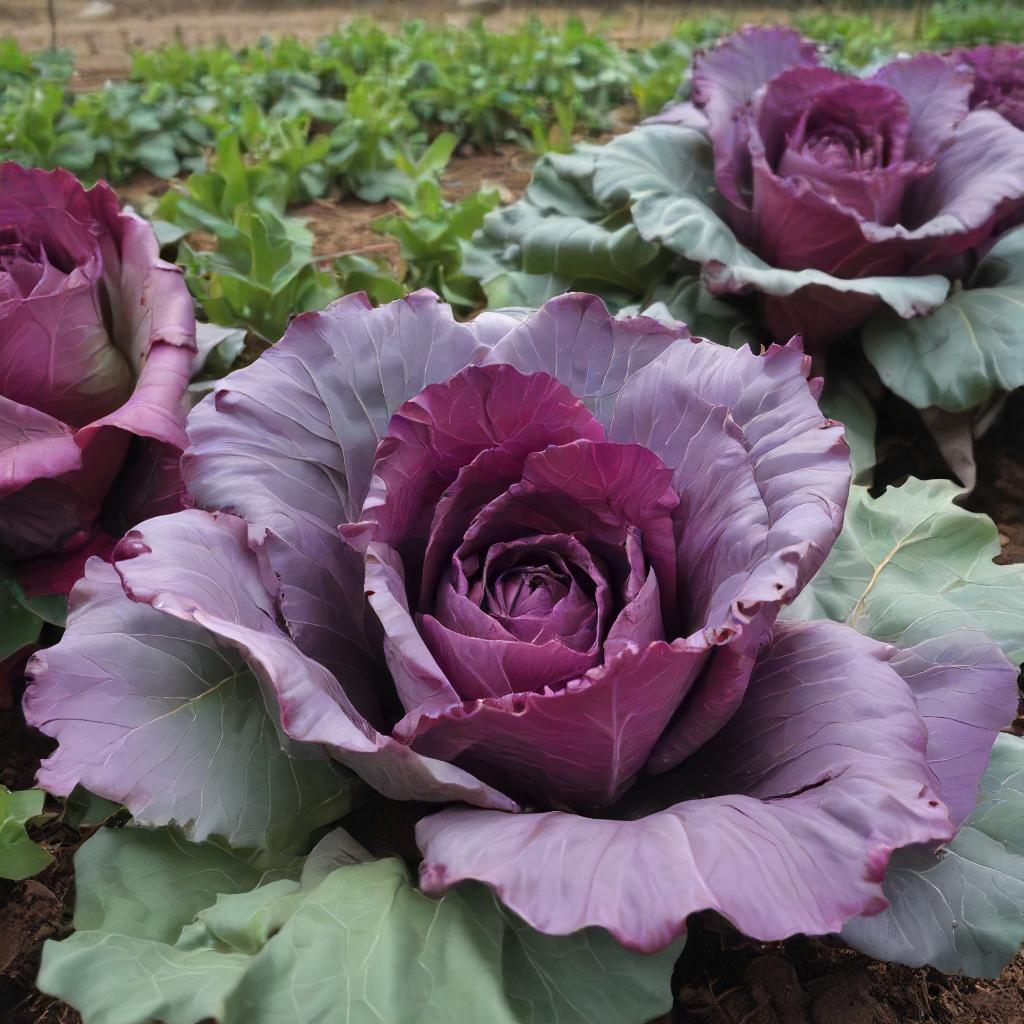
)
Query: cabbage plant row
[
  {"x": 364, "y": 93},
  {"x": 435, "y": 670}
]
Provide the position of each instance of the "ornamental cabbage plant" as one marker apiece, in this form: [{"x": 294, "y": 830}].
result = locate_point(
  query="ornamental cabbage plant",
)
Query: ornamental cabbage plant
[
  {"x": 527, "y": 575},
  {"x": 856, "y": 178},
  {"x": 785, "y": 197},
  {"x": 97, "y": 335}
]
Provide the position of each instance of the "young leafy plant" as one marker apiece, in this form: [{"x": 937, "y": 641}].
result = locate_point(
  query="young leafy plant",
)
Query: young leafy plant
[
  {"x": 430, "y": 230},
  {"x": 36, "y": 131},
  {"x": 261, "y": 274}
]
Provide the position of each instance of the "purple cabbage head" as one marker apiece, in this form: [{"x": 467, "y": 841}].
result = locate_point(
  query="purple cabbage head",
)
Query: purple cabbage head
[
  {"x": 998, "y": 79},
  {"x": 531, "y": 570},
  {"x": 97, "y": 334},
  {"x": 885, "y": 176}
]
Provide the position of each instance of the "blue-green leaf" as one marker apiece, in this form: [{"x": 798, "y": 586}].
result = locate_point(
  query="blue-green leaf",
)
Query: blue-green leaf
[
  {"x": 911, "y": 565},
  {"x": 968, "y": 349},
  {"x": 960, "y": 909},
  {"x": 179, "y": 932}
]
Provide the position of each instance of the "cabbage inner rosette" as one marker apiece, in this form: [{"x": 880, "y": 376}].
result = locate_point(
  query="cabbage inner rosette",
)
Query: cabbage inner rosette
[{"x": 531, "y": 569}]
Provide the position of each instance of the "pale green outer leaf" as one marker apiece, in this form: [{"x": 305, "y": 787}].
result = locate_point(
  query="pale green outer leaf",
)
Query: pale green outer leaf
[
  {"x": 846, "y": 402},
  {"x": 336, "y": 849},
  {"x": 540, "y": 241},
  {"x": 911, "y": 565},
  {"x": 150, "y": 883},
  {"x": 563, "y": 183},
  {"x": 515, "y": 288},
  {"x": 665, "y": 172},
  {"x": 410, "y": 958},
  {"x": 51, "y": 608},
  {"x": 356, "y": 943},
  {"x": 83, "y": 808},
  {"x": 686, "y": 299},
  {"x": 582, "y": 978},
  {"x": 962, "y": 910},
  {"x": 665, "y": 160},
  {"x": 558, "y": 238},
  {"x": 19, "y": 856},
  {"x": 118, "y": 979},
  {"x": 245, "y": 922},
  {"x": 971, "y": 347}
]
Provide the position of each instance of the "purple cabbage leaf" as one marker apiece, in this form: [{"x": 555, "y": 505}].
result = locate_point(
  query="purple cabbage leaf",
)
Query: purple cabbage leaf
[{"x": 97, "y": 335}]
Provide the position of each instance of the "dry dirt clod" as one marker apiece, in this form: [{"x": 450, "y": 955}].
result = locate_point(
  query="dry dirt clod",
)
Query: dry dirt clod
[
  {"x": 774, "y": 981},
  {"x": 848, "y": 998}
]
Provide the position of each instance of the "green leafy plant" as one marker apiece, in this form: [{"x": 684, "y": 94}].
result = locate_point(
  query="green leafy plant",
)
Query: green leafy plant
[
  {"x": 947, "y": 24},
  {"x": 22, "y": 620},
  {"x": 358, "y": 273},
  {"x": 430, "y": 230},
  {"x": 377, "y": 129},
  {"x": 208, "y": 199},
  {"x": 658, "y": 73},
  {"x": 20, "y": 857},
  {"x": 261, "y": 273},
  {"x": 36, "y": 130}
]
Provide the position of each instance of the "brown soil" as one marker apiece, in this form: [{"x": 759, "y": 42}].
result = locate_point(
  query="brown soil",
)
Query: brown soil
[
  {"x": 346, "y": 227},
  {"x": 905, "y": 449},
  {"x": 723, "y": 978},
  {"x": 1000, "y": 491}
]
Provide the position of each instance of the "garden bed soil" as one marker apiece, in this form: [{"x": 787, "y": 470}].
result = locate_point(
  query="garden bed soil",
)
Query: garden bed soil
[
  {"x": 346, "y": 227},
  {"x": 38, "y": 908}
]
